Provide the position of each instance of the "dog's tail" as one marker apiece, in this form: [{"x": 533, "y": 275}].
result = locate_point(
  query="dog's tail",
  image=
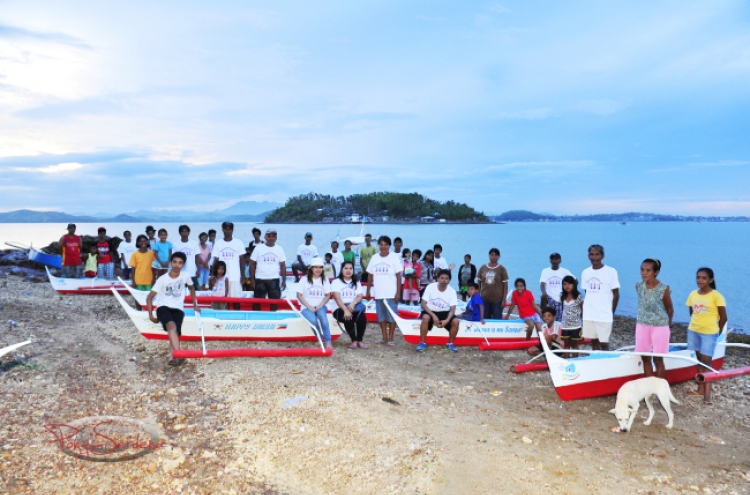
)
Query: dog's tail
[{"x": 671, "y": 397}]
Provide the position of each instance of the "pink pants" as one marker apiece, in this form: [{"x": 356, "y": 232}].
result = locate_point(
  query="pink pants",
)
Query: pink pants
[
  {"x": 411, "y": 295},
  {"x": 651, "y": 339}
]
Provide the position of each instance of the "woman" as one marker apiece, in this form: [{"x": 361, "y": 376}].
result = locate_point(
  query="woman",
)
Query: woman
[
  {"x": 347, "y": 292},
  {"x": 427, "y": 275},
  {"x": 655, "y": 313},
  {"x": 313, "y": 292}
]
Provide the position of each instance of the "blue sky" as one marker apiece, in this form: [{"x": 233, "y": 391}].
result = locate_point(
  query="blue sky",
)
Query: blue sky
[{"x": 551, "y": 106}]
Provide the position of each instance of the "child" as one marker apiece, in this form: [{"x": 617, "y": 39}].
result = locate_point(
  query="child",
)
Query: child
[
  {"x": 91, "y": 264},
  {"x": 126, "y": 249},
  {"x": 313, "y": 292},
  {"x": 528, "y": 310},
  {"x": 248, "y": 252},
  {"x": 106, "y": 267},
  {"x": 550, "y": 332},
  {"x": 708, "y": 315},
  {"x": 329, "y": 271},
  {"x": 412, "y": 273},
  {"x": 202, "y": 259},
  {"x": 218, "y": 285},
  {"x": 466, "y": 275},
  {"x": 151, "y": 233},
  {"x": 141, "y": 262},
  {"x": 163, "y": 250},
  {"x": 171, "y": 291},
  {"x": 572, "y": 304},
  {"x": 475, "y": 307},
  {"x": 427, "y": 270},
  {"x": 336, "y": 257},
  {"x": 347, "y": 253},
  {"x": 211, "y": 238}
]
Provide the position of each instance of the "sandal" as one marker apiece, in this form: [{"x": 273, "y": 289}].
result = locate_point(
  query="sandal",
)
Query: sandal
[
  {"x": 707, "y": 403},
  {"x": 391, "y": 343},
  {"x": 362, "y": 345},
  {"x": 380, "y": 341},
  {"x": 353, "y": 346}
]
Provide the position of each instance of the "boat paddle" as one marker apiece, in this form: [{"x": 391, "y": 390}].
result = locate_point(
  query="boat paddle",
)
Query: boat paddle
[
  {"x": 199, "y": 321},
  {"x": 315, "y": 330}
]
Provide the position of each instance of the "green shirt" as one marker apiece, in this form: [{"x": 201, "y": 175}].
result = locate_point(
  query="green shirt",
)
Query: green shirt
[
  {"x": 366, "y": 253},
  {"x": 348, "y": 256}
]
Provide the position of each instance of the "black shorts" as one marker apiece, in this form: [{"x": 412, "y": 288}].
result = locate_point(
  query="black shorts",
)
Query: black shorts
[
  {"x": 441, "y": 315},
  {"x": 575, "y": 334},
  {"x": 170, "y": 315},
  {"x": 363, "y": 277},
  {"x": 270, "y": 288}
]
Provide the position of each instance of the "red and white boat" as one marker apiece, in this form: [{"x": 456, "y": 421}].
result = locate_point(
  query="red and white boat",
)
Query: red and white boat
[{"x": 86, "y": 285}]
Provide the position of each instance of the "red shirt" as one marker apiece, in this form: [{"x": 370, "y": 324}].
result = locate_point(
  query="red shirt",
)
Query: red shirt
[
  {"x": 71, "y": 252},
  {"x": 525, "y": 303},
  {"x": 104, "y": 256}
]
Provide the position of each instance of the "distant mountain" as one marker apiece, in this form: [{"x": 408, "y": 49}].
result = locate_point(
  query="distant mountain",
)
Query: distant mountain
[
  {"x": 250, "y": 208},
  {"x": 529, "y": 216}
]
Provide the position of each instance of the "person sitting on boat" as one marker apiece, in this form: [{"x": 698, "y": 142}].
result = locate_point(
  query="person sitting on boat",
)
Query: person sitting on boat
[
  {"x": 347, "y": 292},
  {"x": 91, "y": 262},
  {"x": 217, "y": 284},
  {"x": 528, "y": 310},
  {"x": 475, "y": 307},
  {"x": 551, "y": 332},
  {"x": 70, "y": 246},
  {"x": 305, "y": 254},
  {"x": 439, "y": 309},
  {"x": 141, "y": 262},
  {"x": 313, "y": 292},
  {"x": 171, "y": 289},
  {"x": 655, "y": 313}
]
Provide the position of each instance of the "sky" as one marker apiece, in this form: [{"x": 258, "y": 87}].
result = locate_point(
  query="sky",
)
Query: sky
[{"x": 558, "y": 107}]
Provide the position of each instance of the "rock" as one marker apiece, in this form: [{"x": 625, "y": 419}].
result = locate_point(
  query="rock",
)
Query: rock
[{"x": 527, "y": 440}]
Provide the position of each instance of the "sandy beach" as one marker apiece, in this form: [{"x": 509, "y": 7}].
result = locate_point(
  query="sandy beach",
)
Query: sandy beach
[{"x": 441, "y": 430}]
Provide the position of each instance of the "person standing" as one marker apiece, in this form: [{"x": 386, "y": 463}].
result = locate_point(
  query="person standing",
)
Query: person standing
[
  {"x": 203, "y": 261},
  {"x": 268, "y": 269},
  {"x": 70, "y": 246},
  {"x": 440, "y": 262},
  {"x": 191, "y": 250},
  {"x": 151, "y": 233},
  {"x": 140, "y": 263},
  {"x": 655, "y": 312},
  {"x": 105, "y": 266},
  {"x": 493, "y": 286},
  {"x": 126, "y": 250},
  {"x": 230, "y": 251},
  {"x": 602, "y": 295},
  {"x": 347, "y": 253},
  {"x": 398, "y": 244},
  {"x": 336, "y": 257},
  {"x": 305, "y": 254},
  {"x": 385, "y": 283},
  {"x": 365, "y": 254},
  {"x": 257, "y": 240},
  {"x": 551, "y": 285},
  {"x": 466, "y": 275}
]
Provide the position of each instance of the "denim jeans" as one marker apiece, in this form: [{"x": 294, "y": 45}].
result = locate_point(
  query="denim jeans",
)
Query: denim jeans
[
  {"x": 322, "y": 317},
  {"x": 493, "y": 310}
]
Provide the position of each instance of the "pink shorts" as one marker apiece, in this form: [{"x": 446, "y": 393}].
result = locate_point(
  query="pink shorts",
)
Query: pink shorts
[
  {"x": 411, "y": 295},
  {"x": 651, "y": 339}
]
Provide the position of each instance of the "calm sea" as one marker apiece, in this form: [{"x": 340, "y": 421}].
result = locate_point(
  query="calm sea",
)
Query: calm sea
[{"x": 525, "y": 249}]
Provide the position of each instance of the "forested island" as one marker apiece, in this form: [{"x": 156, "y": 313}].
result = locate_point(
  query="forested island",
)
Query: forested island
[
  {"x": 529, "y": 216},
  {"x": 382, "y": 207}
]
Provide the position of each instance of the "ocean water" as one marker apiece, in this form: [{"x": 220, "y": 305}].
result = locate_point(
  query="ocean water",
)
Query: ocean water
[{"x": 525, "y": 249}]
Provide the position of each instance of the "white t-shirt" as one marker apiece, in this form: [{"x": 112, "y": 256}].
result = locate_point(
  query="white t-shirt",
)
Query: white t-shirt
[
  {"x": 555, "y": 330},
  {"x": 126, "y": 249},
  {"x": 440, "y": 264},
  {"x": 313, "y": 293},
  {"x": 307, "y": 253},
  {"x": 346, "y": 291},
  {"x": 336, "y": 260},
  {"x": 598, "y": 285},
  {"x": 439, "y": 301},
  {"x": 268, "y": 261},
  {"x": 230, "y": 253},
  {"x": 384, "y": 271},
  {"x": 190, "y": 248},
  {"x": 171, "y": 292},
  {"x": 553, "y": 280}
]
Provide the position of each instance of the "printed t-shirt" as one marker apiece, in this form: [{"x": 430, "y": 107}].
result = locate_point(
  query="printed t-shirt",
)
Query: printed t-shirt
[
  {"x": 307, "y": 253},
  {"x": 525, "y": 303},
  {"x": 346, "y": 291},
  {"x": 328, "y": 270},
  {"x": 142, "y": 262},
  {"x": 126, "y": 250},
  {"x": 366, "y": 254},
  {"x": 705, "y": 317},
  {"x": 162, "y": 251},
  {"x": 438, "y": 300},
  {"x": 571, "y": 317},
  {"x": 553, "y": 281},
  {"x": 440, "y": 264},
  {"x": 337, "y": 259},
  {"x": 172, "y": 291},
  {"x": 230, "y": 252},
  {"x": 268, "y": 261},
  {"x": 314, "y": 292},
  {"x": 385, "y": 272},
  {"x": 104, "y": 254},
  {"x": 71, "y": 252},
  {"x": 599, "y": 285},
  {"x": 472, "y": 307},
  {"x": 492, "y": 279},
  {"x": 190, "y": 248},
  {"x": 555, "y": 330}
]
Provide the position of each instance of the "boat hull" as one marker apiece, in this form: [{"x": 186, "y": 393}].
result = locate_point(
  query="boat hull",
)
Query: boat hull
[
  {"x": 82, "y": 286},
  {"x": 53, "y": 260}
]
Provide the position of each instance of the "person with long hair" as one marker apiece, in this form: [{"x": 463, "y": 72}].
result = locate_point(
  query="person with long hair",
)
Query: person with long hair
[
  {"x": 313, "y": 292},
  {"x": 655, "y": 313},
  {"x": 572, "y": 308},
  {"x": 347, "y": 292}
]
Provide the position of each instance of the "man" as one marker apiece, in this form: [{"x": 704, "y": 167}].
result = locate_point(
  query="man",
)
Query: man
[
  {"x": 493, "y": 286},
  {"x": 256, "y": 238},
  {"x": 398, "y": 243},
  {"x": 365, "y": 254},
  {"x": 105, "y": 266},
  {"x": 70, "y": 246},
  {"x": 439, "y": 262},
  {"x": 267, "y": 267},
  {"x": 551, "y": 285},
  {"x": 385, "y": 282},
  {"x": 438, "y": 309},
  {"x": 230, "y": 251},
  {"x": 190, "y": 249},
  {"x": 126, "y": 250},
  {"x": 305, "y": 254},
  {"x": 602, "y": 295}
]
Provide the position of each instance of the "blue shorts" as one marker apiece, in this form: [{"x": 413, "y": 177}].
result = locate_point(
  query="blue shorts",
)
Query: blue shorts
[
  {"x": 382, "y": 312},
  {"x": 705, "y": 343},
  {"x": 535, "y": 318}
]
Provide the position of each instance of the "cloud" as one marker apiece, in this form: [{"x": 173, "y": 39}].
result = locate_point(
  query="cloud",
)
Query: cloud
[
  {"x": 533, "y": 114},
  {"x": 60, "y": 168},
  {"x": 12, "y": 32},
  {"x": 562, "y": 166}
]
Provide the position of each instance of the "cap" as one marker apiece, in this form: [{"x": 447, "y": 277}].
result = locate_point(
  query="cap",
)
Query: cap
[
  {"x": 271, "y": 231},
  {"x": 308, "y": 234},
  {"x": 100, "y": 229},
  {"x": 71, "y": 225},
  {"x": 316, "y": 262}
]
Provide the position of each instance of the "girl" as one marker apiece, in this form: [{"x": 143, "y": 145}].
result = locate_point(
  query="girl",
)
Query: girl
[
  {"x": 218, "y": 285},
  {"x": 708, "y": 315},
  {"x": 572, "y": 304},
  {"x": 201, "y": 261},
  {"x": 655, "y": 313},
  {"x": 528, "y": 310},
  {"x": 427, "y": 270},
  {"x": 347, "y": 253},
  {"x": 408, "y": 265},
  {"x": 347, "y": 292},
  {"x": 313, "y": 292}
]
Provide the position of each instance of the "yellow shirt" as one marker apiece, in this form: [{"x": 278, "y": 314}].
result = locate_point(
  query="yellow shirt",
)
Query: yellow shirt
[
  {"x": 142, "y": 264},
  {"x": 705, "y": 317}
]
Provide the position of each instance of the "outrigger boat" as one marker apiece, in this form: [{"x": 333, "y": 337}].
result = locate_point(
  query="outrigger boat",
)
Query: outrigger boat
[
  {"x": 86, "y": 285},
  {"x": 54, "y": 260},
  {"x": 602, "y": 373}
]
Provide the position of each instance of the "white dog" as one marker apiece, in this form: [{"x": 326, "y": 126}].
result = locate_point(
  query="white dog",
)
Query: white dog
[{"x": 631, "y": 394}]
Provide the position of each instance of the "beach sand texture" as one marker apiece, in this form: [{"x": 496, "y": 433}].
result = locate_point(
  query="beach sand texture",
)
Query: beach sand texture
[{"x": 226, "y": 430}]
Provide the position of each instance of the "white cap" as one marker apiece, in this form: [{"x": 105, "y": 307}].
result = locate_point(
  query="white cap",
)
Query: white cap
[{"x": 317, "y": 261}]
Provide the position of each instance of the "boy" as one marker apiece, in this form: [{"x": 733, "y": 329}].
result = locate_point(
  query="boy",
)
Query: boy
[
  {"x": 602, "y": 294},
  {"x": 398, "y": 243},
  {"x": 202, "y": 260},
  {"x": 191, "y": 249},
  {"x": 385, "y": 281},
  {"x": 493, "y": 286},
  {"x": 151, "y": 233},
  {"x": 305, "y": 254},
  {"x": 551, "y": 284},
  {"x": 365, "y": 254},
  {"x": 91, "y": 264},
  {"x": 211, "y": 238},
  {"x": 106, "y": 268},
  {"x": 256, "y": 239},
  {"x": 551, "y": 331},
  {"x": 163, "y": 251},
  {"x": 171, "y": 289},
  {"x": 329, "y": 270},
  {"x": 440, "y": 262},
  {"x": 439, "y": 309},
  {"x": 70, "y": 246},
  {"x": 466, "y": 275},
  {"x": 140, "y": 263},
  {"x": 475, "y": 307},
  {"x": 248, "y": 283},
  {"x": 126, "y": 249},
  {"x": 336, "y": 257}
]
